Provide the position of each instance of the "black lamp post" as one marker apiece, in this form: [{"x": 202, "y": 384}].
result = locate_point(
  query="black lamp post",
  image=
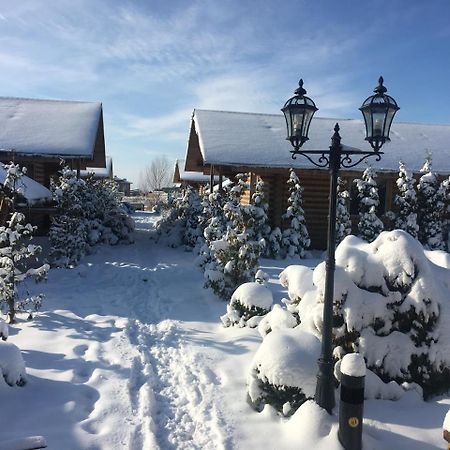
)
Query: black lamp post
[{"x": 378, "y": 111}]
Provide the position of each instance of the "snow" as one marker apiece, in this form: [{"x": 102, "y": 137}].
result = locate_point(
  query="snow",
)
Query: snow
[
  {"x": 99, "y": 172},
  {"x": 12, "y": 365},
  {"x": 49, "y": 127},
  {"x": 128, "y": 353},
  {"x": 446, "y": 424},
  {"x": 253, "y": 294},
  {"x": 353, "y": 365},
  {"x": 33, "y": 191},
  {"x": 259, "y": 140}
]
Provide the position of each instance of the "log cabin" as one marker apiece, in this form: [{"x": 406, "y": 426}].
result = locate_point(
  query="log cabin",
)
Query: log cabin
[
  {"x": 225, "y": 143},
  {"x": 37, "y": 134},
  {"x": 197, "y": 180}
]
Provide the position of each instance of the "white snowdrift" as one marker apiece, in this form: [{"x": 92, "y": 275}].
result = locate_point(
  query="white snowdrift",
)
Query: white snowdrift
[{"x": 12, "y": 365}]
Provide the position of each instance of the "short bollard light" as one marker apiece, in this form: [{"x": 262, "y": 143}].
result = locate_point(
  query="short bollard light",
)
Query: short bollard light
[
  {"x": 353, "y": 372},
  {"x": 446, "y": 429}
]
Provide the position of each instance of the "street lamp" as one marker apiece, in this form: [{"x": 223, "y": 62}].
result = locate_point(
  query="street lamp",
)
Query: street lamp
[{"x": 378, "y": 111}]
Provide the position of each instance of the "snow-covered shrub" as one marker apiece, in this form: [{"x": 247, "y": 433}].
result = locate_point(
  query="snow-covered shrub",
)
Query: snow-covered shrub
[
  {"x": 277, "y": 318},
  {"x": 179, "y": 224},
  {"x": 369, "y": 224},
  {"x": 261, "y": 277},
  {"x": 343, "y": 221},
  {"x": 390, "y": 304},
  {"x": 89, "y": 213},
  {"x": 431, "y": 205},
  {"x": 4, "y": 330},
  {"x": 295, "y": 237},
  {"x": 283, "y": 370},
  {"x": 445, "y": 189},
  {"x": 12, "y": 365},
  {"x": 17, "y": 254},
  {"x": 406, "y": 202},
  {"x": 248, "y": 300}
]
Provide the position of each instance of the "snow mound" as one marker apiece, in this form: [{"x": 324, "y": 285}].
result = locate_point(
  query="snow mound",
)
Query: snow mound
[
  {"x": 248, "y": 300},
  {"x": 253, "y": 294},
  {"x": 284, "y": 369},
  {"x": 353, "y": 365},
  {"x": 278, "y": 318},
  {"x": 298, "y": 279},
  {"x": 12, "y": 365}
]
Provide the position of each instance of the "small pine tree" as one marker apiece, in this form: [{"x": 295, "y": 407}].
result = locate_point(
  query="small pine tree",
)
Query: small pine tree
[
  {"x": 233, "y": 257},
  {"x": 295, "y": 237},
  {"x": 17, "y": 253},
  {"x": 406, "y": 202},
  {"x": 369, "y": 224},
  {"x": 258, "y": 220},
  {"x": 68, "y": 234},
  {"x": 343, "y": 221},
  {"x": 431, "y": 205}
]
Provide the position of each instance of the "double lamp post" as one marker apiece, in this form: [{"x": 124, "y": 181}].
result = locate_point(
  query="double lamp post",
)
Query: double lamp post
[{"x": 378, "y": 111}]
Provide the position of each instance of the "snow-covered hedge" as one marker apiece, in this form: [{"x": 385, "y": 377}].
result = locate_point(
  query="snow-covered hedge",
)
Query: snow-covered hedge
[
  {"x": 248, "y": 300},
  {"x": 391, "y": 303},
  {"x": 283, "y": 370}
]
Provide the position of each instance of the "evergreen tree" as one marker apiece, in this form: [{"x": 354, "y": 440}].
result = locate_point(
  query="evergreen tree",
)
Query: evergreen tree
[
  {"x": 275, "y": 242},
  {"x": 369, "y": 224},
  {"x": 431, "y": 205},
  {"x": 343, "y": 221},
  {"x": 258, "y": 220},
  {"x": 295, "y": 237},
  {"x": 406, "y": 202},
  {"x": 17, "y": 253},
  {"x": 68, "y": 234},
  {"x": 233, "y": 256}
]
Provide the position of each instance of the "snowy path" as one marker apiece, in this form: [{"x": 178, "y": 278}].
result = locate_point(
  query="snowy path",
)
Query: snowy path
[{"x": 129, "y": 354}]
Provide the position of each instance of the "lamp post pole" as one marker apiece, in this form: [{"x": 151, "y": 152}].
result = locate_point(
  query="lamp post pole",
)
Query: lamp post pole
[
  {"x": 324, "y": 395},
  {"x": 378, "y": 112}
]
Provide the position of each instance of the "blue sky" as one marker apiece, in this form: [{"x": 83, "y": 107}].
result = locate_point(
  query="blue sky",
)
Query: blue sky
[{"x": 152, "y": 62}]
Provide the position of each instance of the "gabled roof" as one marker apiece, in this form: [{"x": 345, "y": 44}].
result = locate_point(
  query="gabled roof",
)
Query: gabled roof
[
  {"x": 225, "y": 138},
  {"x": 50, "y": 128},
  {"x": 189, "y": 176}
]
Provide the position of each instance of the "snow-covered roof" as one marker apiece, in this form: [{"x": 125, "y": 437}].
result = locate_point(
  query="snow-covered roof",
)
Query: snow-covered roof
[
  {"x": 52, "y": 128},
  {"x": 99, "y": 172},
  {"x": 189, "y": 176},
  {"x": 33, "y": 191},
  {"x": 259, "y": 140}
]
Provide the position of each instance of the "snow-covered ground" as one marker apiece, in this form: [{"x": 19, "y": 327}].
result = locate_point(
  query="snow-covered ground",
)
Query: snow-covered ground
[{"x": 129, "y": 353}]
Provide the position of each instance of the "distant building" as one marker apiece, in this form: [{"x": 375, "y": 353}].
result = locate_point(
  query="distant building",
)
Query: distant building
[
  {"x": 226, "y": 143},
  {"x": 124, "y": 185},
  {"x": 182, "y": 177}
]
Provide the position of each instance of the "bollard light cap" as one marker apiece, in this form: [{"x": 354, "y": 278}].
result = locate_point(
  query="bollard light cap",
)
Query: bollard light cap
[{"x": 353, "y": 365}]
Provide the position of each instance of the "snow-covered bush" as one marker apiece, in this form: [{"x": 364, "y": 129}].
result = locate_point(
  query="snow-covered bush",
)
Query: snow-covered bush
[
  {"x": 4, "y": 330},
  {"x": 406, "y": 202},
  {"x": 390, "y": 304},
  {"x": 295, "y": 237},
  {"x": 12, "y": 365},
  {"x": 248, "y": 300},
  {"x": 431, "y": 205},
  {"x": 343, "y": 220},
  {"x": 17, "y": 254},
  {"x": 179, "y": 224},
  {"x": 283, "y": 370},
  {"x": 89, "y": 213},
  {"x": 369, "y": 224},
  {"x": 277, "y": 318}
]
